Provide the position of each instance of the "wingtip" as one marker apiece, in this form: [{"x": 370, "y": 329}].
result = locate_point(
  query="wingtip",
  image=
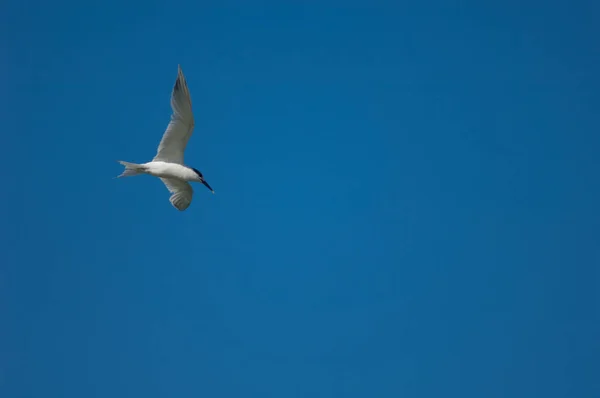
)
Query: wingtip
[{"x": 180, "y": 75}]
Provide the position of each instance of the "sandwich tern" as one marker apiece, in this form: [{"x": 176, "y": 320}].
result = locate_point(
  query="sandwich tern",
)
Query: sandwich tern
[{"x": 168, "y": 163}]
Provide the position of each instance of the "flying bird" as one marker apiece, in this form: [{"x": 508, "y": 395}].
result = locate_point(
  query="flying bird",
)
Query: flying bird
[{"x": 168, "y": 163}]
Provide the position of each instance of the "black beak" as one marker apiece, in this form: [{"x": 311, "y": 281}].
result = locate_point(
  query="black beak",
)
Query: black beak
[{"x": 208, "y": 186}]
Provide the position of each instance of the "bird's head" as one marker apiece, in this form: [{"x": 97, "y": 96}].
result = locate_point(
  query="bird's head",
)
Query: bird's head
[{"x": 200, "y": 178}]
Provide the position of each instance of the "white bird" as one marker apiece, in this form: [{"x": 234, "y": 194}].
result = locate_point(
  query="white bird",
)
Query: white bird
[{"x": 168, "y": 163}]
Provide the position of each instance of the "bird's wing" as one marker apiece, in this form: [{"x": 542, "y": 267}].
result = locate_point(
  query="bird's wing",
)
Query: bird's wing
[
  {"x": 179, "y": 130},
  {"x": 181, "y": 193}
]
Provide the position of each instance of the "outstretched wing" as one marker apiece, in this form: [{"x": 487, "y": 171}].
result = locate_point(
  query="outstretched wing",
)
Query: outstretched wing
[
  {"x": 181, "y": 193},
  {"x": 179, "y": 130}
]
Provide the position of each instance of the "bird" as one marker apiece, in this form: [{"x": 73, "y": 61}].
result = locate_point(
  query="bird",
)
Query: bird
[{"x": 168, "y": 164}]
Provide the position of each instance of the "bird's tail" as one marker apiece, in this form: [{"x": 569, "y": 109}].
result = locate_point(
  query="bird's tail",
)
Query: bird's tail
[{"x": 131, "y": 169}]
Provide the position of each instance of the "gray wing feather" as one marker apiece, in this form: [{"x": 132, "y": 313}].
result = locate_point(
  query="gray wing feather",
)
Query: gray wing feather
[
  {"x": 179, "y": 130},
  {"x": 181, "y": 193}
]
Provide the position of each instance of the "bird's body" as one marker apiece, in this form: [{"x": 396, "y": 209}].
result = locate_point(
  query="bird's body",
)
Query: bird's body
[
  {"x": 170, "y": 170},
  {"x": 168, "y": 163}
]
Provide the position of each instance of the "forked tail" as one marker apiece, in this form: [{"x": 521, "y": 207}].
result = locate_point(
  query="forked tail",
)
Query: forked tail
[{"x": 131, "y": 169}]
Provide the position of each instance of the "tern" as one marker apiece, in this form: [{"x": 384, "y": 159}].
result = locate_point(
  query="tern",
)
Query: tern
[{"x": 168, "y": 163}]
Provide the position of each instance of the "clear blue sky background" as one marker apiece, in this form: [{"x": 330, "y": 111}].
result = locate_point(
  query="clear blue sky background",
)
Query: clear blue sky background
[{"x": 406, "y": 200}]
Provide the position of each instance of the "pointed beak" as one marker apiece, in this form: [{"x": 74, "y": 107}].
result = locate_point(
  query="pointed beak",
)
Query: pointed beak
[{"x": 207, "y": 186}]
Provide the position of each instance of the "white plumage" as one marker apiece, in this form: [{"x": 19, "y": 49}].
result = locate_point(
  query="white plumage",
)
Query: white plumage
[{"x": 168, "y": 163}]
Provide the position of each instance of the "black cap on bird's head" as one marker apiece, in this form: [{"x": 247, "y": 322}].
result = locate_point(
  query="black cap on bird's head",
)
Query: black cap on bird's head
[{"x": 202, "y": 180}]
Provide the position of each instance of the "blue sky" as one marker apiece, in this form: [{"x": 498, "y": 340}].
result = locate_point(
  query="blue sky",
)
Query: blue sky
[{"x": 406, "y": 200}]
